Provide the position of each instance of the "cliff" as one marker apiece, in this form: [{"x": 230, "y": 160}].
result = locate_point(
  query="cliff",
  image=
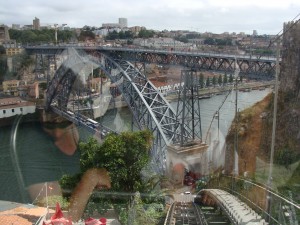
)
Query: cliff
[{"x": 255, "y": 124}]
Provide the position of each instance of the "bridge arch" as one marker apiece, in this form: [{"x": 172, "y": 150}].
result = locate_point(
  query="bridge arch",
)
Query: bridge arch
[{"x": 149, "y": 108}]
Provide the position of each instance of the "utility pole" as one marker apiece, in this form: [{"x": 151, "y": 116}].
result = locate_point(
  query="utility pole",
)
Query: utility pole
[
  {"x": 55, "y": 29},
  {"x": 273, "y": 132},
  {"x": 236, "y": 159}
]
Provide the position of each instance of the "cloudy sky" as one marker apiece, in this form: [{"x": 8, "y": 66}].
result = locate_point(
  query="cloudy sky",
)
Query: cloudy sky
[{"x": 265, "y": 16}]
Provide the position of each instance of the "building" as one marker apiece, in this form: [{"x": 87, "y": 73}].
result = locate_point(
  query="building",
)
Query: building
[
  {"x": 14, "y": 50},
  {"x": 36, "y": 24},
  {"x": 4, "y": 35},
  {"x": 123, "y": 22},
  {"x": 16, "y": 26},
  {"x": 10, "y": 87},
  {"x": 15, "y": 106},
  {"x": 28, "y": 27},
  {"x": 136, "y": 29},
  {"x": 254, "y": 33}
]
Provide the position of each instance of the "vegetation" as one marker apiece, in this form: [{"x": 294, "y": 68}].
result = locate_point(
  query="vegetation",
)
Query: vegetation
[
  {"x": 144, "y": 33},
  {"x": 125, "y": 156},
  {"x": 201, "y": 80},
  {"x": 52, "y": 200},
  {"x": 2, "y": 50},
  {"x": 3, "y": 63},
  {"x": 220, "y": 80},
  {"x": 216, "y": 41},
  {"x": 86, "y": 35},
  {"x": 40, "y": 36},
  {"x": 121, "y": 35},
  {"x": 182, "y": 39}
]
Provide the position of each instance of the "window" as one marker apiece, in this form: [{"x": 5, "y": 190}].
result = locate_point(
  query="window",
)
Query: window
[
  {"x": 4, "y": 111},
  {"x": 13, "y": 110},
  {"x": 21, "y": 109}
]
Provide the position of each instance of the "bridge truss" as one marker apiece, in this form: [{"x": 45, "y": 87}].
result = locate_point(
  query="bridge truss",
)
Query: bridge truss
[
  {"x": 252, "y": 67},
  {"x": 149, "y": 108}
]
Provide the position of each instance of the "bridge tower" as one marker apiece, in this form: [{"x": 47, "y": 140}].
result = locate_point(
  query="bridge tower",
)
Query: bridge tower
[
  {"x": 188, "y": 108},
  {"x": 187, "y": 151}
]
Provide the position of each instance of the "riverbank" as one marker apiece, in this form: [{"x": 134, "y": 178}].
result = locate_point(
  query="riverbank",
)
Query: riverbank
[{"x": 209, "y": 92}]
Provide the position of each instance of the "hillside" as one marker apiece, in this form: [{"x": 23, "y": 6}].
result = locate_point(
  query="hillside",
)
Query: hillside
[{"x": 255, "y": 127}]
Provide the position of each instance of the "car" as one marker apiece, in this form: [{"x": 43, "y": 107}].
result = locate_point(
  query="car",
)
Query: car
[{"x": 187, "y": 192}]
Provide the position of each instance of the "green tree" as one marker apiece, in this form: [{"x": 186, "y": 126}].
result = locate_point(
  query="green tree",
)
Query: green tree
[
  {"x": 214, "y": 81},
  {"x": 182, "y": 39},
  {"x": 124, "y": 156},
  {"x": 2, "y": 50},
  {"x": 209, "y": 41},
  {"x": 220, "y": 80},
  {"x": 137, "y": 214},
  {"x": 144, "y": 33},
  {"x": 241, "y": 79},
  {"x": 230, "y": 78},
  {"x": 201, "y": 80},
  {"x": 225, "y": 79},
  {"x": 86, "y": 35},
  {"x": 40, "y": 36},
  {"x": 207, "y": 82},
  {"x": 112, "y": 35}
]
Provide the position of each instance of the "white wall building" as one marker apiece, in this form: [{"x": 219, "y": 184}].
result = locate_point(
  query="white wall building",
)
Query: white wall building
[
  {"x": 161, "y": 43},
  {"x": 15, "y": 106},
  {"x": 123, "y": 22}
]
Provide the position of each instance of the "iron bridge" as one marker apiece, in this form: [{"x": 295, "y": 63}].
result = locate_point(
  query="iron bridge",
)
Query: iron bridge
[
  {"x": 149, "y": 108},
  {"x": 253, "y": 67}
]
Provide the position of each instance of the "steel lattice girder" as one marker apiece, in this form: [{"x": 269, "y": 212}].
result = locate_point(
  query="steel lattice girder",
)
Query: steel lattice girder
[
  {"x": 149, "y": 107},
  {"x": 253, "y": 68},
  {"x": 61, "y": 85},
  {"x": 188, "y": 108},
  {"x": 258, "y": 68}
]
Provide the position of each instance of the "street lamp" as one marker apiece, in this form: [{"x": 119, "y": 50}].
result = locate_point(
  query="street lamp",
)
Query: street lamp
[{"x": 56, "y": 28}]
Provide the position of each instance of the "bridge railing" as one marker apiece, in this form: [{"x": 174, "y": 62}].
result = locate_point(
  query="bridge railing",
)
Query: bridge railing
[{"x": 272, "y": 206}]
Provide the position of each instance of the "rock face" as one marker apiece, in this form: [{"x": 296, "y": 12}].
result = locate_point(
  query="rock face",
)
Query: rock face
[
  {"x": 288, "y": 127},
  {"x": 290, "y": 66},
  {"x": 287, "y": 143}
]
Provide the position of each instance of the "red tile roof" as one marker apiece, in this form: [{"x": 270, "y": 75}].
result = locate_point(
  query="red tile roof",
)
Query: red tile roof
[{"x": 22, "y": 215}]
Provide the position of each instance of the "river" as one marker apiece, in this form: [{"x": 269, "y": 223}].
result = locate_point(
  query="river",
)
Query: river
[{"x": 28, "y": 155}]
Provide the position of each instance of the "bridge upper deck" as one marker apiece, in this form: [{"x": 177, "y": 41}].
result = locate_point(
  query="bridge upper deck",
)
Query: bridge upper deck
[{"x": 57, "y": 49}]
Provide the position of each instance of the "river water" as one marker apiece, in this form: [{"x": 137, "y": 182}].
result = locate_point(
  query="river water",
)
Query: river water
[{"x": 28, "y": 155}]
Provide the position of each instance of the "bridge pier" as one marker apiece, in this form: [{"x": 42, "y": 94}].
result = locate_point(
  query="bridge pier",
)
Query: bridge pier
[{"x": 188, "y": 156}]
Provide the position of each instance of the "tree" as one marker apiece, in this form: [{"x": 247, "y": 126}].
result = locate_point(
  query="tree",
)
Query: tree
[
  {"x": 137, "y": 214},
  {"x": 124, "y": 156},
  {"x": 209, "y": 41},
  {"x": 86, "y": 35},
  {"x": 241, "y": 79},
  {"x": 182, "y": 39},
  {"x": 146, "y": 33},
  {"x": 201, "y": 80},
  {"x": 220, "y": 80},
  {"x": 2, "y": 50},
  {"x": 112, "y": 35},
  {"x": 214, "y": 81},
  {"x": 207, "y": 82},
  {"x": 225, "y": 79},
  {"x": 230, "y": 78},
  {"x": 40, "y": 36}
]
